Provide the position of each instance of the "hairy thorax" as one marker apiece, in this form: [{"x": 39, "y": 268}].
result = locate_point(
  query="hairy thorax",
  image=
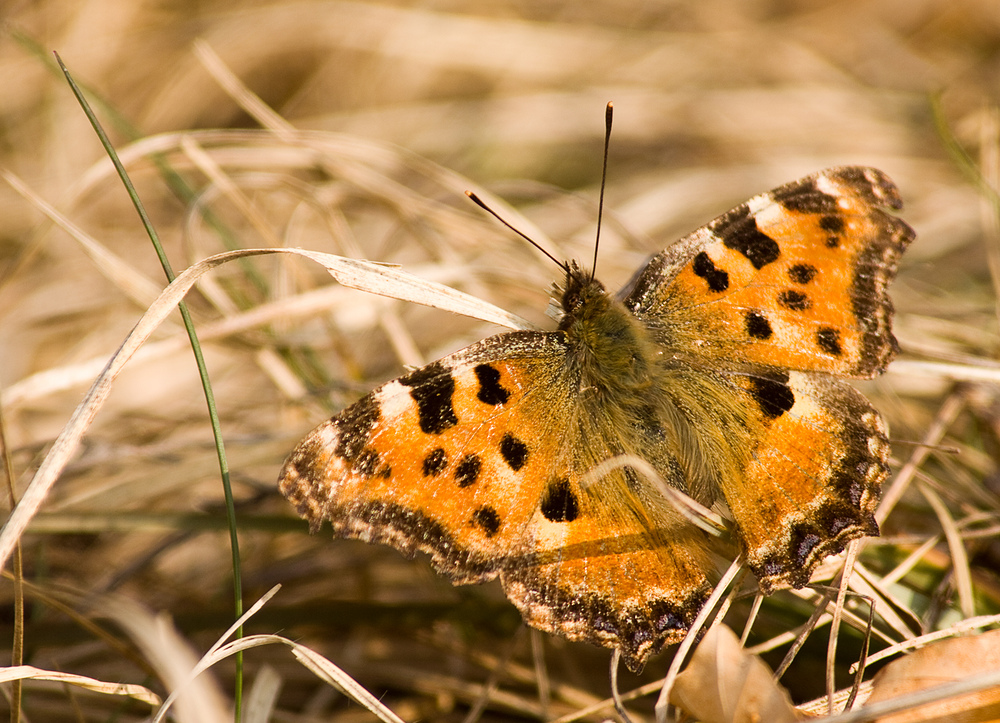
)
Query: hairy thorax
[{"x": 610, "y": 350}]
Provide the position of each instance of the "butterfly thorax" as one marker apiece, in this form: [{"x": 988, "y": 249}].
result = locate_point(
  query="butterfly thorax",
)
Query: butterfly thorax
[{"x": 609, "y": 347}]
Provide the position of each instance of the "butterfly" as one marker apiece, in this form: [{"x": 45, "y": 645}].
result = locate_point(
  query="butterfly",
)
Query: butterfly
[{"x": 720, "y": 364}]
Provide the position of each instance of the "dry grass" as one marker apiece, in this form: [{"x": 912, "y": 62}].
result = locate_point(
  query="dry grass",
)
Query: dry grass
[{"x": 714, "y": 101}]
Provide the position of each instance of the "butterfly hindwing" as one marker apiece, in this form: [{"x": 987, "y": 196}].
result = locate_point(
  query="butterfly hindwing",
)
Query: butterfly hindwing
[{"x": 819, "y": 457}]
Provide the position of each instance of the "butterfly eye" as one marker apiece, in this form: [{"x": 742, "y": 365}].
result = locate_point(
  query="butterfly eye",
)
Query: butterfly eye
[{"x": 571, "y": 300}]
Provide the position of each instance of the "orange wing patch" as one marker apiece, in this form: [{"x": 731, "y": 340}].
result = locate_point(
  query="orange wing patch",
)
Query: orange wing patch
[{"x": 795, "y": 279}]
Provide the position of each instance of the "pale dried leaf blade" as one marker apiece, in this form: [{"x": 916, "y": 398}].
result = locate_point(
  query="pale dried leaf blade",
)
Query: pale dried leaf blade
[
  {"x": 938, "y": 664},
  {"x": 725, "y": 684},
  {"x": 262, "y": 696},
  {"x": 195, "y": 698},
  {"x": 394, "y": 283},
  {"x": 29, "y": 672},
  {"x": 327, "y": 671}
]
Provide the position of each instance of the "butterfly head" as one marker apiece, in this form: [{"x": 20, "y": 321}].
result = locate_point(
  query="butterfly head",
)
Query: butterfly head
[{"x": 581, "y": 294}]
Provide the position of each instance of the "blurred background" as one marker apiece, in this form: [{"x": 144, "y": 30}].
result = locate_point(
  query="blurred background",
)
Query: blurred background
[{"x": 354, "y": 128}]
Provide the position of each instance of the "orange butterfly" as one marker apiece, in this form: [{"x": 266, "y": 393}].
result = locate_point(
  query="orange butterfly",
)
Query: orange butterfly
[{"x": 717, "y": 364}]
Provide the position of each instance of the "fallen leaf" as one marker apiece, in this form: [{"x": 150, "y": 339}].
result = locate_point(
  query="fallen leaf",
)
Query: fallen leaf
[
  {"x": 938, "y": 664},
  {"x": 723, "y": 683}
]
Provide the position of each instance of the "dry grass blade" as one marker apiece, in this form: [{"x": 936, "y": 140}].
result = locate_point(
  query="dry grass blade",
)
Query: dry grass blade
[
  {"x": 262, "y": 697},
  {"x": 962, "y": 628},
  {"x": 247, "y": 100},
  {"x": 878, "y": 591},
  {"x": 946, "y": 416},
  {"x": 182, "y": 681},
  {"x": 132, "y": 283},
  {"x": 393, "y": 283},
  {"x": 956, "y": 546},
  {"x": 838, "y": 608},
  {"x": 197, "y": 697},
  {"x": 29, "y": 672},
  {"x": 957, "y": 679},
  {"x": 685, "y": 646},
  {"x": 694, "y": 512},
  {"x": 330, "y": 673},
  {"x": 986, "y": 371}
]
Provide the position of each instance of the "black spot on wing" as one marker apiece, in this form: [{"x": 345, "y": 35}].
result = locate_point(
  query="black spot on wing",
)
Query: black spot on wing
[
  {"x": 718, "y": 281},
  {"x": 435, "y": 462},
  {"x": 804, "y": 196},
  {"x": 794, "y": 300},
  {"x": 739, "y": 232},
  {"x": 432, "y": 388},
  {"x": 468, "y": 469},
  {"x": 487, "y": 519},
  {"x": 757, "y": 325},
  {"x": 560, "y": 503},
  {"x": 773, "y": 395},
  {"x": 513, "y": 451},
  {"x": 802, "y": 273},
  {"x": 828, "y": 340},
  {"x": 834, "y": 227},
  {"x": 490, "y": 389},
  {"x": 832, "y": 223}
]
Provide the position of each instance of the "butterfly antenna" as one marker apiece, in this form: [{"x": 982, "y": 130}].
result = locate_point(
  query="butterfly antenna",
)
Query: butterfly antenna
[
  {"x": 608, "y": 116},
  {"x": 479, "y": 202}
]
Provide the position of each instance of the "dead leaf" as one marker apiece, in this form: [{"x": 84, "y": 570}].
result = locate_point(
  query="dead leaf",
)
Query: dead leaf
[
  {"x": 725, "y": 684},
  {"x": 944, "y": 662}
]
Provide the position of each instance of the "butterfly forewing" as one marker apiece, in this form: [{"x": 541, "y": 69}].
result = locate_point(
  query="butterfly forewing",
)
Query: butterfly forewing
[
  {"x": 793, "y": 279},
  {"x": 431, "y": 461}
]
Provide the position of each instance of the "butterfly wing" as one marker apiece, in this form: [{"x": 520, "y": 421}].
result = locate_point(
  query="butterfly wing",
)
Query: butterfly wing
[
  {"x": 795, "y": 278},
  {"x": 799, "y": 459},
  {"x": 758, "y": 308},
  {"x": 477, "y": 460},
  {"x": 812, "y": 482}
]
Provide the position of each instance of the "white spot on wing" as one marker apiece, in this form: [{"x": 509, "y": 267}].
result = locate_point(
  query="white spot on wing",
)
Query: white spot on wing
[
  {"x": 828, "y": 186},
  {"x": 766, "y": 211},
  {"x": 393, "y": 400},
  {"x": 759, "y": 203}
]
